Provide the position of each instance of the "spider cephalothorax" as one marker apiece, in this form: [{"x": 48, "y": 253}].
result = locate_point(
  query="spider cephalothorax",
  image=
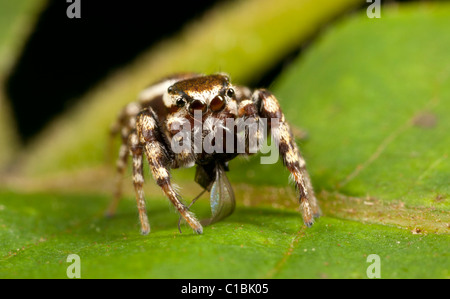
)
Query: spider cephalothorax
[{"x": 192, "y": 119}]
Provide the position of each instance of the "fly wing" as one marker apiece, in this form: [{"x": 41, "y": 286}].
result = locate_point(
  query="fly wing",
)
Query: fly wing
[{"x": 222, "y": 197}]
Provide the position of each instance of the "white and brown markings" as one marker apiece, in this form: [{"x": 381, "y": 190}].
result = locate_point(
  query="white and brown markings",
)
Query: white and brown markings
[{"x": 150, "y": 125}]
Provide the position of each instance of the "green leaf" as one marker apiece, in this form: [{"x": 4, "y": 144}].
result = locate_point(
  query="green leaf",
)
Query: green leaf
[{"x": 252, "y": 243}]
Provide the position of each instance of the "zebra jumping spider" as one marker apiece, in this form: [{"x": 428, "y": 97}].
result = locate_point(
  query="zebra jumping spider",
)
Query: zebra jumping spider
[{"x": 172, "y": 119}]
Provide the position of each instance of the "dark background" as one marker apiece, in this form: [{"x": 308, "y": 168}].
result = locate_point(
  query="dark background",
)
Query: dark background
[{"x": 63, "y": 58}]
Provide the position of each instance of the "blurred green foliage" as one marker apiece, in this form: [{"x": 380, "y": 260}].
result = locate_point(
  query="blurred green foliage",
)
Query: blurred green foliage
[{"x": 15, "y": 19}]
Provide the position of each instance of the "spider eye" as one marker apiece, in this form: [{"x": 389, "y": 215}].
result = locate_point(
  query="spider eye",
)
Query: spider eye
[
  {"x": 180, "y": 102},
  {"x": 217, "y": 104},
  {"x": 197, "y": 105},
  {"x": 230, "y": 92}
]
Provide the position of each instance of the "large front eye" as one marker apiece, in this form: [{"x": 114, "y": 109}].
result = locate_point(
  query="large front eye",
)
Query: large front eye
[
  {"x": 180, "y": 102},
  {"x": 230, "y": 92},
  {"x": 217, "y": 104},
  {"x": 197, "y": 105}
]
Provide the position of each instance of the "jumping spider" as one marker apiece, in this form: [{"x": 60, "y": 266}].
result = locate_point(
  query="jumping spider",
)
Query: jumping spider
[{"x": 150, "y": 125}]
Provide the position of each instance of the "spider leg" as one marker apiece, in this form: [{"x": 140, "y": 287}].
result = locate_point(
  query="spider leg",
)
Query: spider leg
[
  {"x": 125, "y": 123},
  {"x": 248, "y": 111},
  {"x": 138, "y": 182},
  {"x": 269, "y": 108},
  {"x": 121, "y": 166},
  {"x": 158, "y": 158},
  {"x": 189, "y": 206}
]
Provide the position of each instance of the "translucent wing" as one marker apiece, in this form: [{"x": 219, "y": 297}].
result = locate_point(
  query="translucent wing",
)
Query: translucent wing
[{"x": 222, "y": 197}]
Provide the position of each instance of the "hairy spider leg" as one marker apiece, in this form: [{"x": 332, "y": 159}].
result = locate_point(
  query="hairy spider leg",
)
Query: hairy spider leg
[
  {"x": 158, "y": 159},
  {"x": 264, "y": 104},
  {"x": 138, "y": 181},
  {"x": 189, "y": 206},
  {"x": 121, "y": 166},
  {"x": 246, "y": 111},
  {"x": 269, "y": 108},
  {"x": 125, "y": 124}
]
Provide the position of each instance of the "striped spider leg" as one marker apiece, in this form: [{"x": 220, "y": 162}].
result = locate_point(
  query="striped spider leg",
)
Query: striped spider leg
[
  {"x": 265, "y": 105},
  {"x": 125, "y": 125},
  {"x": 141, "y": 136},
  {"x": 158, "y": 156}
]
